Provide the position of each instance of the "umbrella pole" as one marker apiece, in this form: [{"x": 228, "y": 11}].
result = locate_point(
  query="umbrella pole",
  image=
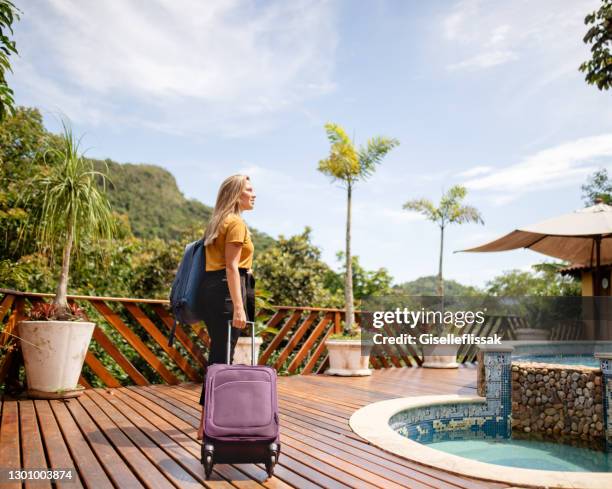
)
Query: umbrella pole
[{"x": 597, "y": 286}]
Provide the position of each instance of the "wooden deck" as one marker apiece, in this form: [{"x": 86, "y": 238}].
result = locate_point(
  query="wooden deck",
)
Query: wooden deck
[{"x": 145, "y": 436}]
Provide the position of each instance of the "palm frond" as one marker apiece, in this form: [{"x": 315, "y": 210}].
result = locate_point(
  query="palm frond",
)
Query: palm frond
[
  {"x": 373, "y": 153},
  {"x": 423, "y": 206},
  {"x": 69, "y": 198}
]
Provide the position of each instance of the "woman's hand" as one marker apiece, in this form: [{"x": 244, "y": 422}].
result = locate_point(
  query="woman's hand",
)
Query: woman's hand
[{"x": 239, "y": 319}]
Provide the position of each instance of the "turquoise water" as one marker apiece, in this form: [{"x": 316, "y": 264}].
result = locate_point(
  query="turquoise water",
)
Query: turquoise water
[
  {"x": 528, "y": 454},
  {"x": 586, "y": 360}
]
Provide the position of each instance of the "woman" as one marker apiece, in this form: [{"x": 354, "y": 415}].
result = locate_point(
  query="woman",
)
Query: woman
[{"x": 229, "y": 286}]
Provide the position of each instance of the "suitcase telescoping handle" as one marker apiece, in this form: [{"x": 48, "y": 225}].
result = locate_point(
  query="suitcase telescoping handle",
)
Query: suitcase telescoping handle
[{"x": 229, "y": 340}]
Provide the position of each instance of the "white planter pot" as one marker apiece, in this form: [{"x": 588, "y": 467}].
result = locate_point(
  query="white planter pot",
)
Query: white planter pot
[
  {"x": 347, "y": 358},
  {"x": 242, "y": 351},
  {"x": 440, "y": 356},
  {"x": 53, "y": 353},
  {"x": 532, "y": 334}
]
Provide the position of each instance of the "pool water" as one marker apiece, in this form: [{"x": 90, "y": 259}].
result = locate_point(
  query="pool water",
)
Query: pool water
[
  {"x": 586, "y": 360},
  {"x": 528, "y": 454}
]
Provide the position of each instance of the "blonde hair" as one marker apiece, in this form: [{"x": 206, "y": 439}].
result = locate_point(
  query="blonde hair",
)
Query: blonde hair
[{"x": 227, "y": 203}]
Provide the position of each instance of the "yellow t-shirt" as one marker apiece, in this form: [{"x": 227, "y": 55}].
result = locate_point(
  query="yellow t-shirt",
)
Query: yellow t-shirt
[{"x": 233, "y": 230}]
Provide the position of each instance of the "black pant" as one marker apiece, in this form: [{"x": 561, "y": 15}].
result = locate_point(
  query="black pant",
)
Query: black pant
[{"x": 218, "y": 309}]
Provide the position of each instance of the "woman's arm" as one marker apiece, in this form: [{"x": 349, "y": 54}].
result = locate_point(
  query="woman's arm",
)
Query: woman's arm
[{"x": 232, "y": 258}]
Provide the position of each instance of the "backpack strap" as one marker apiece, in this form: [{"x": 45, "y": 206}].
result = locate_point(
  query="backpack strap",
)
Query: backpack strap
[{"x": 172, "y": 332}]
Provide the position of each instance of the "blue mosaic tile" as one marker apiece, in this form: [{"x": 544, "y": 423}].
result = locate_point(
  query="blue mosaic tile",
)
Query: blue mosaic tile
[{"x": 490, "y": 419}]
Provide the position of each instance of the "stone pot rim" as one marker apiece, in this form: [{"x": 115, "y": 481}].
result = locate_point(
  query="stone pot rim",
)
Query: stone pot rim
[
  {"x": 54, "y": 321},
  {"x": 338, "y": 341}
]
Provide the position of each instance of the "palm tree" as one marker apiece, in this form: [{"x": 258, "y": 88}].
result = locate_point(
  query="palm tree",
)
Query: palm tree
[
  {"x": 449, "y": 211},
  {"x": 69, "y": 207},
  {"x": 348, "y": 164}
]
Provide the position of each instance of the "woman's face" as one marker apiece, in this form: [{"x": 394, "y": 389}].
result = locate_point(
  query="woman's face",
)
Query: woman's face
[{"x": 247, "y": 198}]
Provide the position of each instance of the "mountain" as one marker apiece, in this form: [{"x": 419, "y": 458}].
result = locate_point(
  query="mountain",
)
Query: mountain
[
  {"x": 156, "y": 207},
  {"x": 427, "y": 286}
]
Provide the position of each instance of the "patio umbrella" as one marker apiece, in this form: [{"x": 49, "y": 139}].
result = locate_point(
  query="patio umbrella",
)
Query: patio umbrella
[{"x": 583, "y": 236}]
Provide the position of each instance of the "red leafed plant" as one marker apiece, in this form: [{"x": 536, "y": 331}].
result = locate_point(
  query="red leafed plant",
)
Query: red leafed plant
[{"x": 44, "y": 311}]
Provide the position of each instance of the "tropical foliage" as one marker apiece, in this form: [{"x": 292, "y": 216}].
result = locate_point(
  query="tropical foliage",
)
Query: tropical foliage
[
  {"x": 8, "y": 15},
  {"x": 366, "y": 283},
  {"x": 542, "y": 280},
  {"x": 598, "y": 69},
  {"x": 294, "y": 274},
  {"x": 597, "y": 186},
  {"x": 67, "y": 208}
]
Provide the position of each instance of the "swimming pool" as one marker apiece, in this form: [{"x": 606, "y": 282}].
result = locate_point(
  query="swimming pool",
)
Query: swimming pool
[
  {"x": 527, "y": 454},
  {"x": 455, "y": 434},
  {"x": 559, "y": 352},
  {"x": 561, "y": 359}
]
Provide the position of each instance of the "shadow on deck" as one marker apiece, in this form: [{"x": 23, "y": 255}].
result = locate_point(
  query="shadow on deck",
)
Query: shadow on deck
[{"x": 145, "y": 436}]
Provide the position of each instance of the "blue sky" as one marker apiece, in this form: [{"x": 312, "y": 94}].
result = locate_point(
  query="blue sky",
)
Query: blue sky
[{"x": 481, "y": 93}]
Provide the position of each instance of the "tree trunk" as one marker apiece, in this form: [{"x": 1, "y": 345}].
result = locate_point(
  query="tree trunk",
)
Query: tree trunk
[
  {"x": 348, "y": 281},
  {"x": 61, "y": 293},
  {"x": 440, "y": 279}
]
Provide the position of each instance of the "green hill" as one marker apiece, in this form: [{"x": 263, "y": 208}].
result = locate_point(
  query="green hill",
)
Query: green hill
[
  {"x": 156, "y": 207},
  {"x": 427, "y": 286}
]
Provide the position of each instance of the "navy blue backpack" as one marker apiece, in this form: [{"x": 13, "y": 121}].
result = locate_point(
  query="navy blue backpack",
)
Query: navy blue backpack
[{"x": 184, "y": 297}]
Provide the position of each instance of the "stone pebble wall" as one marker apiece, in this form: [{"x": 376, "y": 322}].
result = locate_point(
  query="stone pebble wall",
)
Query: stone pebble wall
[{"x": 558, "y": 402}]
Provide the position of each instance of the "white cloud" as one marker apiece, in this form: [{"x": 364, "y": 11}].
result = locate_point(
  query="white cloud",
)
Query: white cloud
[
  {"x": 477, "y": 170},
  {"x": 559, "y": 166},
  {"x": 189, "y": 66},
  {"x": 485, "y": 34},
  {"x": 484, "y": 60}
]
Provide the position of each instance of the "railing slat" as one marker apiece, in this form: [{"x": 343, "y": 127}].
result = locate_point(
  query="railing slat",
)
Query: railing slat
[
  {"x": 303, "y": 351},
  {"x": 110, "y": 348},
  {"x": 393, "y": 332},
  {"x": 104, "y": 341},
  {"x": 312, "y": 361},
  {"x": 84, "y": 383},
  {"x": 293, "y": 341},
  {"x": 100, "y": 370},
  {"x": 337, "y": 324},
  {"x": 162, "y": 341},
  {"x": 374, "y": 362},
  {"x": 6, "y": 305},
  {"x": 279, "y": 337},
  {"x": 412, "y": 353},
  {"x": 9, "y": 368},
  {"x": 324, "y": 364},
  {"x": 193, "y": 349},
  {"x": 14, "y": 318},
  {"x": 115, "y": 321},
  {"x": 383, "y": 360}
]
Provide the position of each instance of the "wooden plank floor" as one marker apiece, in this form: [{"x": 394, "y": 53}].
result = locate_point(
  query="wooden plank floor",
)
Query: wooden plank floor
[{"x": 133, "y": 437}]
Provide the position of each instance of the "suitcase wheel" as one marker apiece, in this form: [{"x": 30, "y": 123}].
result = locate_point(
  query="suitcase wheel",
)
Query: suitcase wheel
[
  {"x": 207, "y": 459},
  {"x": 271, "y": 462}
]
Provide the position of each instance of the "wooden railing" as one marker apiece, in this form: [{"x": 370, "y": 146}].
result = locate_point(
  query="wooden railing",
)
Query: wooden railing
[{"x": 130, "y": 344}]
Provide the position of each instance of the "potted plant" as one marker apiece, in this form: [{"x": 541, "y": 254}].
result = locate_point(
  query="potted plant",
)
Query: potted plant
[
  {"x": 349, "y": 352},
  {"x": 348, "y": 164},
  {"x": 440, "y": 356},
  {"x": 65, "y": 206},
  {"x": 243, "y": 349}
]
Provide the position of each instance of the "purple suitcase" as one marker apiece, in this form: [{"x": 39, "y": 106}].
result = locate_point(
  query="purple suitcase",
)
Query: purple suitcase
[{"x": 241, "y": 424}]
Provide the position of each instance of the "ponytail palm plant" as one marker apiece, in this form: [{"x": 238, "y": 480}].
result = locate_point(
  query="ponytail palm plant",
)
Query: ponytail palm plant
[{"x": 67, "y": 206}]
